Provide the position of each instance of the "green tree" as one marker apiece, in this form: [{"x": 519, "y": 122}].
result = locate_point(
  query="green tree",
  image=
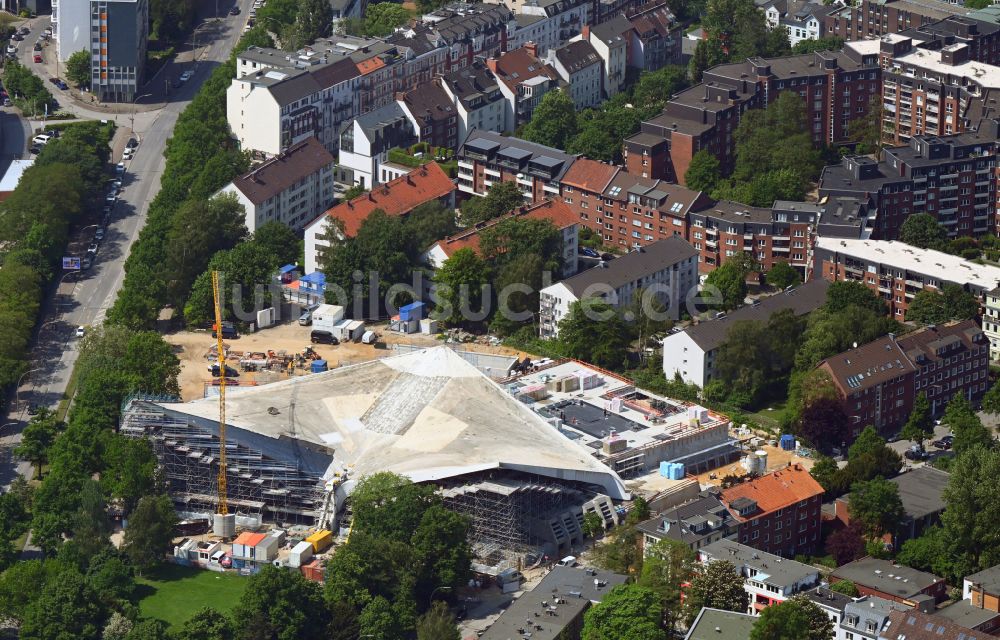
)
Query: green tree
[
  {"x": 866, "y": 129},
  {"x": 932, "y": 307},
  {"x": 378, "y": 620},
  {"x": 313, "y": 20},
  {"x": 704, "y": 172},
  {"x": 461, "y": 289},
  {"x": 851, "y": 293},
  {"x": 922, "y": 230},
  {"x": 972, "y": 511},
  {"x": 668, "y": 565},
  {"x": 932, "y": 552},
  {"x": 821, "y": 415},
  {"x": 654, "y": 88},
  {"x": 553, "y": 122},
  {"x": 621, "y": 552},
  {"x": 150, "y": 531},
  {"x": 920, "y": 425},
  {"x": 627, "y": 612},
  {"x": 78, "y": 68},
  {"x": 110, "y": 576},
  {"x": 389, "y": 505},
  {"x": 502, "y": 198},
  {"x": 593, "y": 526},
  {"x": 797, "y": 618},
  {"x": 37, "y": 438},
  {"x": 382, "y": 18},
  {"x": 593, "y": 332},
  {"x": 775, "y": 138},
  {"x": 824, "y": 471},
  {"x": 207, "y": 624},
  {"x": 822, "y": 44},
  {"x": 876, "y": 505},
  {"x": 731, "y": 282},
  {"x": 279, "y": 241},
  {"x": 699, "y": 62},
  {"x": 991, "y": 401},
  {"x": 280, "y": 605},
  {"x": 517, "y": 238},
  {"x": 845, "y": 587},
  {"x": 783, "y": 275},
  {"x": 429, "y": 223},
  {"x": 719, "y": 585},
  {"x": 965, "y": 425},
  {"x": 66, "y": 608},
  {"x": 437, "y": 624},
  {"x": 148, "y": 629}
]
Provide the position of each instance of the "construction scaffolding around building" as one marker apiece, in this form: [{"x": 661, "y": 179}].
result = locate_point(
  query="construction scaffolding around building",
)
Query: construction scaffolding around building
[
  {"x": 512, "y": 514},
  {"x": 258, "y": 486}
]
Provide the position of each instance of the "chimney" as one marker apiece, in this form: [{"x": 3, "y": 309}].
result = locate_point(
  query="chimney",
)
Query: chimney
[
  {"x": 585, "y": 32},
  {"x": 531, "y": 48},
  {"x": 491, "y": 64},
  {"x": 371, "y": 197},
  {"x": 400, "y": 96},
  {"x": 409, "y": 180}
]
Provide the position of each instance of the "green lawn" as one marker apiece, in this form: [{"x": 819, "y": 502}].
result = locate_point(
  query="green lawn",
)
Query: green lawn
[
  {"x": 770, "y": 415},
  {"x": 174, "y": 593}
]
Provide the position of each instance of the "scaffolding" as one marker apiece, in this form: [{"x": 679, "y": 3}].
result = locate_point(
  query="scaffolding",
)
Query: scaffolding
[
  {"x": 512, "y": 514},
  {"x": 258, "y": 485}
]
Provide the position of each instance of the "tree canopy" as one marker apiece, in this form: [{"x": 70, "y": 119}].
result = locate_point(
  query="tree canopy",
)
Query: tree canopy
[
  {"x": 718, "y": 585},
  {"x": 627, "y": 612},
  {"x": 922, "y": 230},
  {"x": 930, "y": 306},
  {"x": 797, "y": 618},
  {"x": 553, "y": 122}
]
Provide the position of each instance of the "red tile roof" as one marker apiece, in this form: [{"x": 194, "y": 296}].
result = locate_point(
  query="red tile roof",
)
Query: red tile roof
[
  {"x": 590, "y": 175},
  {"x": 249, "y": 539},
  {"x": 396, "y": 197},
  {"x": 553, "y": 210},
  {"x": 774, "y": 491},
  {"x": 371, "y": 64},
  {"x": 514, "y": 67}
]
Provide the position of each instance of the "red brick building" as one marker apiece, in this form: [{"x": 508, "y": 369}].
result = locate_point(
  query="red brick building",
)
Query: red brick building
[
  {"x": 778, "y": 513},
  {"x": 836, "y": 87},
  {"x": 878, "y": 382}
]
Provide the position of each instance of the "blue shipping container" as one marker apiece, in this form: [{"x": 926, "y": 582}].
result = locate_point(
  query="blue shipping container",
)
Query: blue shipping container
[
  {"x": 412, "y": 311},
  {"x": 665, "y": 469},
  {"x": 788, "y": 442},
  {"x": 319, "y": 366}
]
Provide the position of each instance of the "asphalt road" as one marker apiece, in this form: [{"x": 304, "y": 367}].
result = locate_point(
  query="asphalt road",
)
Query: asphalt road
[{"x": 83, "y": 299}]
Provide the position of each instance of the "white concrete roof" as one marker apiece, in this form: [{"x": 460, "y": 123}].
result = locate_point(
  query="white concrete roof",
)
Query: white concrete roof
[
  {"x": 427, "y": 415},
  {"x": 927, "y": 262},
  {"x": 14, "y": 173},
  {"x": 985, "y": 75}
]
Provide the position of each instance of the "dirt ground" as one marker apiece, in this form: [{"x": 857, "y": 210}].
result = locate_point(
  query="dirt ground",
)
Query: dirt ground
[
  {"x": 777, "y": 458},
  {"x": 192, "y": 348}
]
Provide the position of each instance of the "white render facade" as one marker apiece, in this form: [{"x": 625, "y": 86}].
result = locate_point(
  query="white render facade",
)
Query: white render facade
[
  {"x": 295, "y": 207},
  {"x": 682, "y": 355},
  {"x": 991, "y": 322},
  {"x": 584, "y": 85}
]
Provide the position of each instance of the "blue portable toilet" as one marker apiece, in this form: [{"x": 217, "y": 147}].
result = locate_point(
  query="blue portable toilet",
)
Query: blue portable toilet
[
  {"x": 318, "y": 366},
  {"x": 677, "y": 471},
  {"x": 665, "y": 469},
  {"x": 788, "y": 442}
]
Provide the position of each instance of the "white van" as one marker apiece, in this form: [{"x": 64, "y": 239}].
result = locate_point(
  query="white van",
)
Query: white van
[
  {"x": 369, "y": 337},
  {"x": 568, "y": 561}
]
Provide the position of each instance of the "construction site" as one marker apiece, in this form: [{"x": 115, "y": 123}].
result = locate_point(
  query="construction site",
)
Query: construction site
[{"x": 294, "y": 450}]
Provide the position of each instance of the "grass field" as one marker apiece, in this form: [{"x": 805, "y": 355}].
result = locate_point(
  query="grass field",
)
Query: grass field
[{"x": 174, "y": 593}]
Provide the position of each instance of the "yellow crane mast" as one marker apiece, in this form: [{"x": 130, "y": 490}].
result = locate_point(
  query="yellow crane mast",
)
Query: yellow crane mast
[{"x": 223, "y": 501}]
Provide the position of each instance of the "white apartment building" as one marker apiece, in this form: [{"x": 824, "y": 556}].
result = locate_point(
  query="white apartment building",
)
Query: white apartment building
[
  {"x": 475, "y": 93},
  {"x": 991, "y": 322},
  {"x": 365, "y": 143},
  {"x": 579, "y": 66},
  {"x": 691, "y": 353},
  {"x": 292, "y": 188},
  {"x": 610, "y": 40},
  {"x": 769, "y": 579},
  {"x": 802, "y": 19},
  {"x": 71, "y": 26},
  {"x": 279, "y": 99},
  {"x": 667, "y": 269},
  {"x": 547, "y": 23}
]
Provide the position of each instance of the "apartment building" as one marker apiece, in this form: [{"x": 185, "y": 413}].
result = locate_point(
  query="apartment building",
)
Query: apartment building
[
  {"x": 933, "y": 92},
  {"x": 953, "y": 178},
  {"x": 486, "y": 158},
  {"x": 656, "y": 36},
  {"x": 278, "y": 99},
  {"x": 292, "y": 187},
  {"x": 778, "y": 234},
  {"x": 991, "y": 321},
  {"x": 582, "y": 70},
  {"x": 115, "y": 33},
  {"x": 874, "y": 18},
  {"x": 365, "y": 143},
  {"x": 547, "y": 23},
  {"x": 893, "y": 582},
  {"x": 397, "y": 198},
  {"x": 691, "y": 353},
  {"x": 801, "y": 18},
  {"x": 475, "y": 92},
  {"x": 929, "y": 625},
  {"x": 921, "y": 494},
  {"x": 432, "y": 114},
  {"x": 981, "y": 592},
  {"x": 836, "y": 87},
  {"x": 832, "y": 603},
  {"x": 896, "y": 271},
  {"x": 980, "y": 32},
  {"x": 865, "y": 618},
  {"x": 611, "y": 41},
  {"x": 666, "y": 269},
  {"x": 877, "y": 382},
  {"x": 769, "y": 579},
  {"x": 469, "y": 31},
  {"x": 778, "y": 513},
  {"x": 697, "y": 523},
  {"x": 524, "y": 81}
]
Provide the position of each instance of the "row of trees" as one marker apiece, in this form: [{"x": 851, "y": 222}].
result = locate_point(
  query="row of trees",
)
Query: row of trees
[
  {"x": 184, "y": 229},
  {"x": 58, "y": 191},
  {"x": 735, "y": 30},
  {"x": 26, "y": 89},
  {"x": 296, "y": 22}
]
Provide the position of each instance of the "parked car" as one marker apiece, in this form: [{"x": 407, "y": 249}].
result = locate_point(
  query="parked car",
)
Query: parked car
[
  {"x": 41, "y": 138},
  {"x": 128, "y": 153},
  {"x": 92, "y": 249},
  {"x": 37, "y": 47},
  {"x": 186, "y": 75},
  {"x": 944, "y": 443},
  {"x": 62, "y": 85},
  {"x": 35, "y": 149},
  {"x": 590, "y": 253},
  {"x": 322, "y": 337},
  {"x": 17, "y": 36},
  {"x": 235, "y": 11},
  {"x": 132, "y": 144},
  {"x": 37, "y": 58},
  {"x": 916, "y": 453},
  {"x": 24, "y": 31},
  {"x": 11, "y": 49},
  {"x": 86, "y": 263},
  {"x": 120, "y": 169},
  {"x": 80, "y": 331},
  {"x": 99, "y": 234},
  {"x": 230, "y": 372}
]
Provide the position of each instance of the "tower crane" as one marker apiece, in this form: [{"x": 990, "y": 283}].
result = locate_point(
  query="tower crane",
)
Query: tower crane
[{"x": 223, "y": 500}]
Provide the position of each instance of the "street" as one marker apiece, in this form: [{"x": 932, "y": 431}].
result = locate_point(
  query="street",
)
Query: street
[{"x": 83, "y": 299}]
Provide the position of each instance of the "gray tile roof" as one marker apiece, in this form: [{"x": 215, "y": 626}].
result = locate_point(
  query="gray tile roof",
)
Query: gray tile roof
[
  {"x": 771, "y": 569},
  {"x": 577, "y": 56},
  {"x": 987, "y": 579},
  {"x": 716, "y": 624},
  {"x": 282, "y": 171},
  {"x": 886, "y": 577},
  {"x": 652, "y": 258},
  {"x": 803, "y": 299},
  {"x": 966, "y": 614}
]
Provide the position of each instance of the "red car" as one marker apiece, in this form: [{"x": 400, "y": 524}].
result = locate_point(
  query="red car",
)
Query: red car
[{"x": 37, "y": 58}]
